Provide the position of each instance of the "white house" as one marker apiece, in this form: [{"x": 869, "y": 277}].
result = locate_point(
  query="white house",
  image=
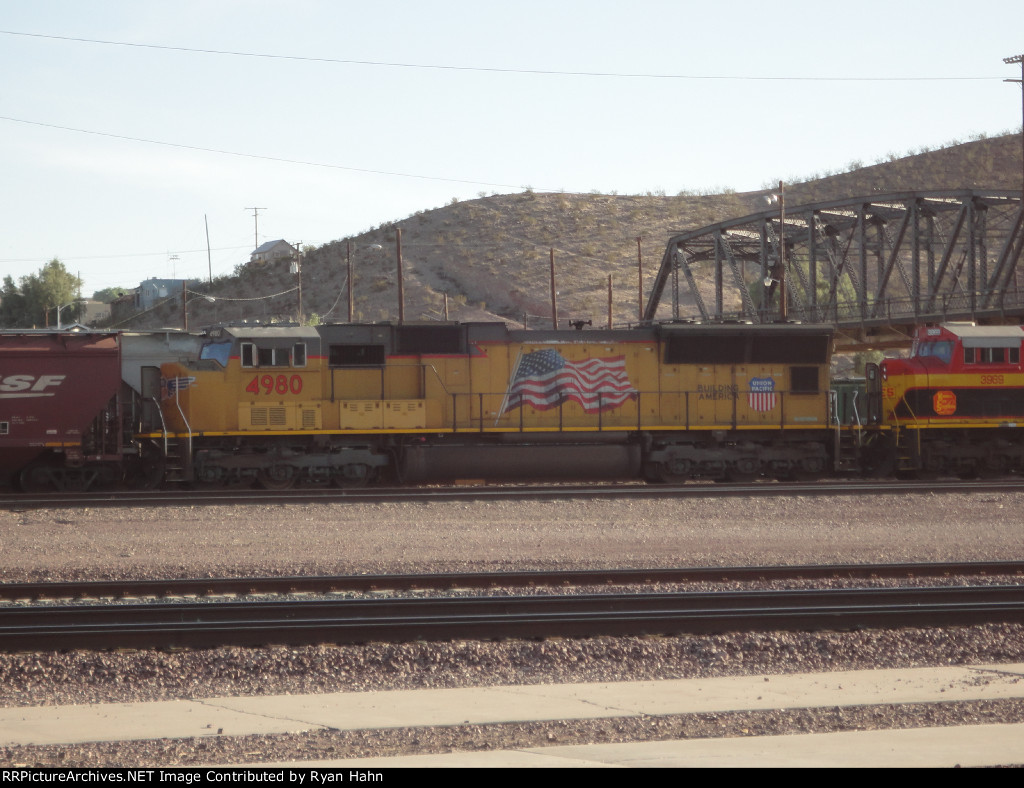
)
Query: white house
[{"x": 272, "y": 251}]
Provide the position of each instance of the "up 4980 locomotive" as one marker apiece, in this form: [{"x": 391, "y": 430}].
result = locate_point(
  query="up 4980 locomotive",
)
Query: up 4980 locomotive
[{"x": 348, "y": 404}]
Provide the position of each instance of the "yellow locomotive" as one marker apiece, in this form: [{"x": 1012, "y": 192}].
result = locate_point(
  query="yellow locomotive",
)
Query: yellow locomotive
[{"x": 346, "y": 403}]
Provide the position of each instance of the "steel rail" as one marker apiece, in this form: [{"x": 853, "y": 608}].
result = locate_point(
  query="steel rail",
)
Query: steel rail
[
  {"x": 503, "y": 492},
  {"x": 357, "y": 621},
  {"x": 324, "y": 584}
]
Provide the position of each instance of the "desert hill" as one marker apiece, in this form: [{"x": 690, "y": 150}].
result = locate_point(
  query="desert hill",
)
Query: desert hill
[{"x": 491, "y": 255}]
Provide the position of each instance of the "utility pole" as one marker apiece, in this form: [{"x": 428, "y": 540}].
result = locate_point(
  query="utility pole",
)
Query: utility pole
[
  {"x": 554, "y": 293},
  {"x": 256, "y": 221},
  {"x": 1010, "y": 61},
  {"x": 401, "y": 283},
  {"x": 640, "y": 277},
  {"x": 296, "y": 268},
  {"x": 348, "y": 262},
  {"x": 209, "y": 259},
  {"x": 609, "y": 301},
  {"x": 783, "y": 304}
]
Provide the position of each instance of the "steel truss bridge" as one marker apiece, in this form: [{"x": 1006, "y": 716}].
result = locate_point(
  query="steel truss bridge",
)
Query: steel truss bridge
[{"x": 872, "y": 266}]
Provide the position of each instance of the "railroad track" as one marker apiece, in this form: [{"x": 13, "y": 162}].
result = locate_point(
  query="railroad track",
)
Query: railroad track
[
  {"x": 164, "y": 625},
  {"x": 293, "y": 622},
  {"x": 241, "y": 586},
  {"x": 184, "y": 497}
]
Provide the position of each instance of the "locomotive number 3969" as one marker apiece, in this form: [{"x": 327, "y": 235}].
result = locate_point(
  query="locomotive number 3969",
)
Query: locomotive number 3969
[{"x": 270, "y": 384}]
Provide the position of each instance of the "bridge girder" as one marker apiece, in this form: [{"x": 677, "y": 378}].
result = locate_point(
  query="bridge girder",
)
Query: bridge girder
[{"x": 862, "y": 264}]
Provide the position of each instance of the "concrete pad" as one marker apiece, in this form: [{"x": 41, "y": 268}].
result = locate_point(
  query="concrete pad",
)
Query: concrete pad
[
  {"x": 489, "y": 705},
  {"x": 477, "y": 706},
  {"x": 132, "y": 721},
  {"x": 417, "y": 708},
  {"x": 791, "y": 691},
  {"x": 976, "y": 745}
]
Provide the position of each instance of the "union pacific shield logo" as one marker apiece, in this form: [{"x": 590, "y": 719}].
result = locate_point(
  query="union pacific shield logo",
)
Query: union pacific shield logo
[
  {"x": 762, "y": 394},
  {"x": 171, "y": 386}
]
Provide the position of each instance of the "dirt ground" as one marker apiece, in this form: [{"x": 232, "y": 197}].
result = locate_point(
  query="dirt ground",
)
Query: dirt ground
[{"x": 343, "y": 538}]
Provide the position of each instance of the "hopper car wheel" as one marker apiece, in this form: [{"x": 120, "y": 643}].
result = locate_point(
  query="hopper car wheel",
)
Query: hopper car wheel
[
  {"x": 277, "y": 477},
  {"x": 36, "y": 479}
]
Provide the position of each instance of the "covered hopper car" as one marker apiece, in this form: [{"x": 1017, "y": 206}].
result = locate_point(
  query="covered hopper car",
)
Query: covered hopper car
[{"x": 61, "y": 409}]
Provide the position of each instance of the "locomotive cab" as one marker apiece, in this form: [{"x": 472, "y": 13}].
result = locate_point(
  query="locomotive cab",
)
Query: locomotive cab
[
  {"x": 957, "y": 373},
  {"x": 955, "y": 405}
]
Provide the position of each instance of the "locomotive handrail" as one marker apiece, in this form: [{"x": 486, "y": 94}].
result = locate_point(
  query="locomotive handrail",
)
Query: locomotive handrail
[
  {"x": 472, "y": 412},
  {"x": 163, "y": 423},
  {"x": 437, "y": 375},
  {"x": 188, "y": 429}
]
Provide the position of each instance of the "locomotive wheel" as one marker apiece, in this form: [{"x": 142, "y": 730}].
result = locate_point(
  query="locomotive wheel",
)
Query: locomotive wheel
[
  {"x": 968, "y": 472},
  {"x": 808, "y": 469},
  {"x": 675, "y": 471},
  {"x": 993, "y": 466},
  {"x": 744, "y": 470},
  {"x": 211, "y": 476},
  {"x": 277, "y": 477},
  {"x": 352, "y": 475}
]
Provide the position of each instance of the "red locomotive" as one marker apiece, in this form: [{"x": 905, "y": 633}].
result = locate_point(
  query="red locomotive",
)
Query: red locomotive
[{"x": 957, "y": 404}]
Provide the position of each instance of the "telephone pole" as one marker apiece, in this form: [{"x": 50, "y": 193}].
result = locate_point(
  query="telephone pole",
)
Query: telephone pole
[
  {"x": 256, "y": 220},
  {"x": 1010, "y": 61}
]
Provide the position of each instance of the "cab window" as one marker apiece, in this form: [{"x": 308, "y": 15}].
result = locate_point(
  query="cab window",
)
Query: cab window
[
  {"x": 253, "y": 356},
  {"x": 216, "y": 351},
  {"x": 940, "y": 350}
]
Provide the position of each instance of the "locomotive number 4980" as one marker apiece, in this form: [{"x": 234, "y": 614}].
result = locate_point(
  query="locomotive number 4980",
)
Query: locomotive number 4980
[{"x": 269, "y": 384}]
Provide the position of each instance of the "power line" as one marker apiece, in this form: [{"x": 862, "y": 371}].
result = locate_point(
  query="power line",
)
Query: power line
[
  {"x": 126, "y": 255},
  {"x": 486, "y": 69},
  {"x": 278, "y": 159}
]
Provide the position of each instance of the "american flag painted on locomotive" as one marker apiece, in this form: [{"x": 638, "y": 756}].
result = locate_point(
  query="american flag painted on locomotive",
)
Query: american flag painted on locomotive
[
  {"x": 544, "y": 379},
  {"x": 762, "y": 394}
]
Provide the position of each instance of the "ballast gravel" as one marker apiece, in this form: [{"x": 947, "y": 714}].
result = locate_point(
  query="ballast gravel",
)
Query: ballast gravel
[{"x": 201, "y": 541}]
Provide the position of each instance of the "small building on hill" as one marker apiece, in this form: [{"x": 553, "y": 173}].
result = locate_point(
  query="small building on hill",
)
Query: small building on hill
[
  {"x": 153, "y": 291},
  {"x": 146, "y": 296},
  {"x": 272, "y": 251}
]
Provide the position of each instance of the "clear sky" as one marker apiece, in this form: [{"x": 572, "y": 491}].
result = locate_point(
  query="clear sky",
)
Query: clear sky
[{"x": 342, "y": 115}]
